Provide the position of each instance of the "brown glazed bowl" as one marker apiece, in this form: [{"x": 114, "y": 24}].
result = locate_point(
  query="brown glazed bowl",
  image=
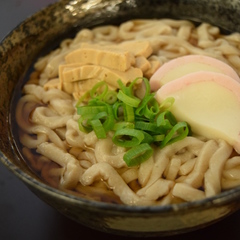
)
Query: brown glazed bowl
[{"x": 42, "y": 32}]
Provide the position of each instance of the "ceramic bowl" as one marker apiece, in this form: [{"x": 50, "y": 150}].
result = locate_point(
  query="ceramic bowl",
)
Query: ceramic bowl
[{"x": 42, "y": 32}]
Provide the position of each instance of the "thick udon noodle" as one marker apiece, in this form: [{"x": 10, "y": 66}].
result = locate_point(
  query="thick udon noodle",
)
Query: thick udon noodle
[{"x": 78, "y": 162}]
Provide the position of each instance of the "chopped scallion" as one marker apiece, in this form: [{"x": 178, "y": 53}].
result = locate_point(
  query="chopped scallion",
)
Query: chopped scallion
[
  {"x": 128, "y": 137},
  {"x": 98, "y": 128},
  {"x": 99, "y": 90},
  {"x": 137, "y": 123},
  {"x": 138, "y": 154},
  {"x": 178, "y": 132},
  {"x": 130, "y": 101}
]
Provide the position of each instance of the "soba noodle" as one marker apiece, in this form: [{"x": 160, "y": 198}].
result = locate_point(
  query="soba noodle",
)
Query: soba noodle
[{"x": 80, "y": 163}]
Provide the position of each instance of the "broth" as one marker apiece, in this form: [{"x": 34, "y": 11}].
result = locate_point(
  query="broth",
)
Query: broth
[{"x": 55, "y": 127}]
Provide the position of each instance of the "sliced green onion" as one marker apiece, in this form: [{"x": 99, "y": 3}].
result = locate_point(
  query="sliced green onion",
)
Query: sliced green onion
[
  {"x": 128, "y": 137},
  {"x": 147, "y": 138},
  {"x": 121, "y": 125},
  {"x": 147, "y": 86},
  {"x": 118, "y": 110},
  {"x": 91, "y": 109},
  {"x": 141, "y": 108},
  {"x": 138, "y": 154},
  {"x": 83, "y": 123},
  {"x": 122, "y": 86},
  {"x": 151, "y": 109},
  {"x": 130, "y": 101},
  {"x": 132, "y": 84},
  {"x": 128, "y": 112},
  {"x": 166, "y": 120},
  {"x": 137, "y": 123},
  {"x": 82, "y": 98},
  {"x": 146, "y": 126},
  {"x": 167, "y": 104},
  {"x": 99, "y": 90},
  {"x": 100, "y": 115},
  {"x": 158, "y": 138},
  {"x": 98, "y": 128},
  {"x": 96, "y": 102},
  {"x": 178, "y": 132},
  {"x": 109, "y": 123},
  {"x": 128, "y": 90},
  {"x": 110, "y": 97}
]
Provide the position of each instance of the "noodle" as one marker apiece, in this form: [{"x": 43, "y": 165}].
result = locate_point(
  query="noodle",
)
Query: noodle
[{"x": 79, "y": 162}]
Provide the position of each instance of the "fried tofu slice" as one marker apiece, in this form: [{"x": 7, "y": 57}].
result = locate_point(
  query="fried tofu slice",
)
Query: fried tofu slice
[
  {"x": 106, "y": 56},
  {"x": 111, "y": 76}
]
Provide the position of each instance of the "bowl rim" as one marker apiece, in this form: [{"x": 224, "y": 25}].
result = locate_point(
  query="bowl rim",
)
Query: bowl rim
[{"x": 216, "y": 200}]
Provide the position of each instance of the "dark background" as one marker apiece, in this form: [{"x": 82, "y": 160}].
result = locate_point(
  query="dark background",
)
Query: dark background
[{"x": 24, "y": 217}]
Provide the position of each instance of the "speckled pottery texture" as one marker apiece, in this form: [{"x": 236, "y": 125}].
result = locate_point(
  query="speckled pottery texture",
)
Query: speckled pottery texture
[{"x": 47, "y": 28}]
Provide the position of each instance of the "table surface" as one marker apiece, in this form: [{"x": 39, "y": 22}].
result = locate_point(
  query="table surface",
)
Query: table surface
[{"x": 24, "y": 216}]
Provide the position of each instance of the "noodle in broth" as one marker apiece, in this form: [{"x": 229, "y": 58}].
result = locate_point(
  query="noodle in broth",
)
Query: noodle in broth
[{"x": 82, "y": 164}]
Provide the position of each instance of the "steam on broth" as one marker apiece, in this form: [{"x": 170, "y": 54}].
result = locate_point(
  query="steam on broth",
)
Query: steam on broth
[{"x": 79, "y": 162}]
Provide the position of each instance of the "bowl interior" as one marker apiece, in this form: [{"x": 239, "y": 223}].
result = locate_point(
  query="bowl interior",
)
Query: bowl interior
[{"x": 45, "y": 30}]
